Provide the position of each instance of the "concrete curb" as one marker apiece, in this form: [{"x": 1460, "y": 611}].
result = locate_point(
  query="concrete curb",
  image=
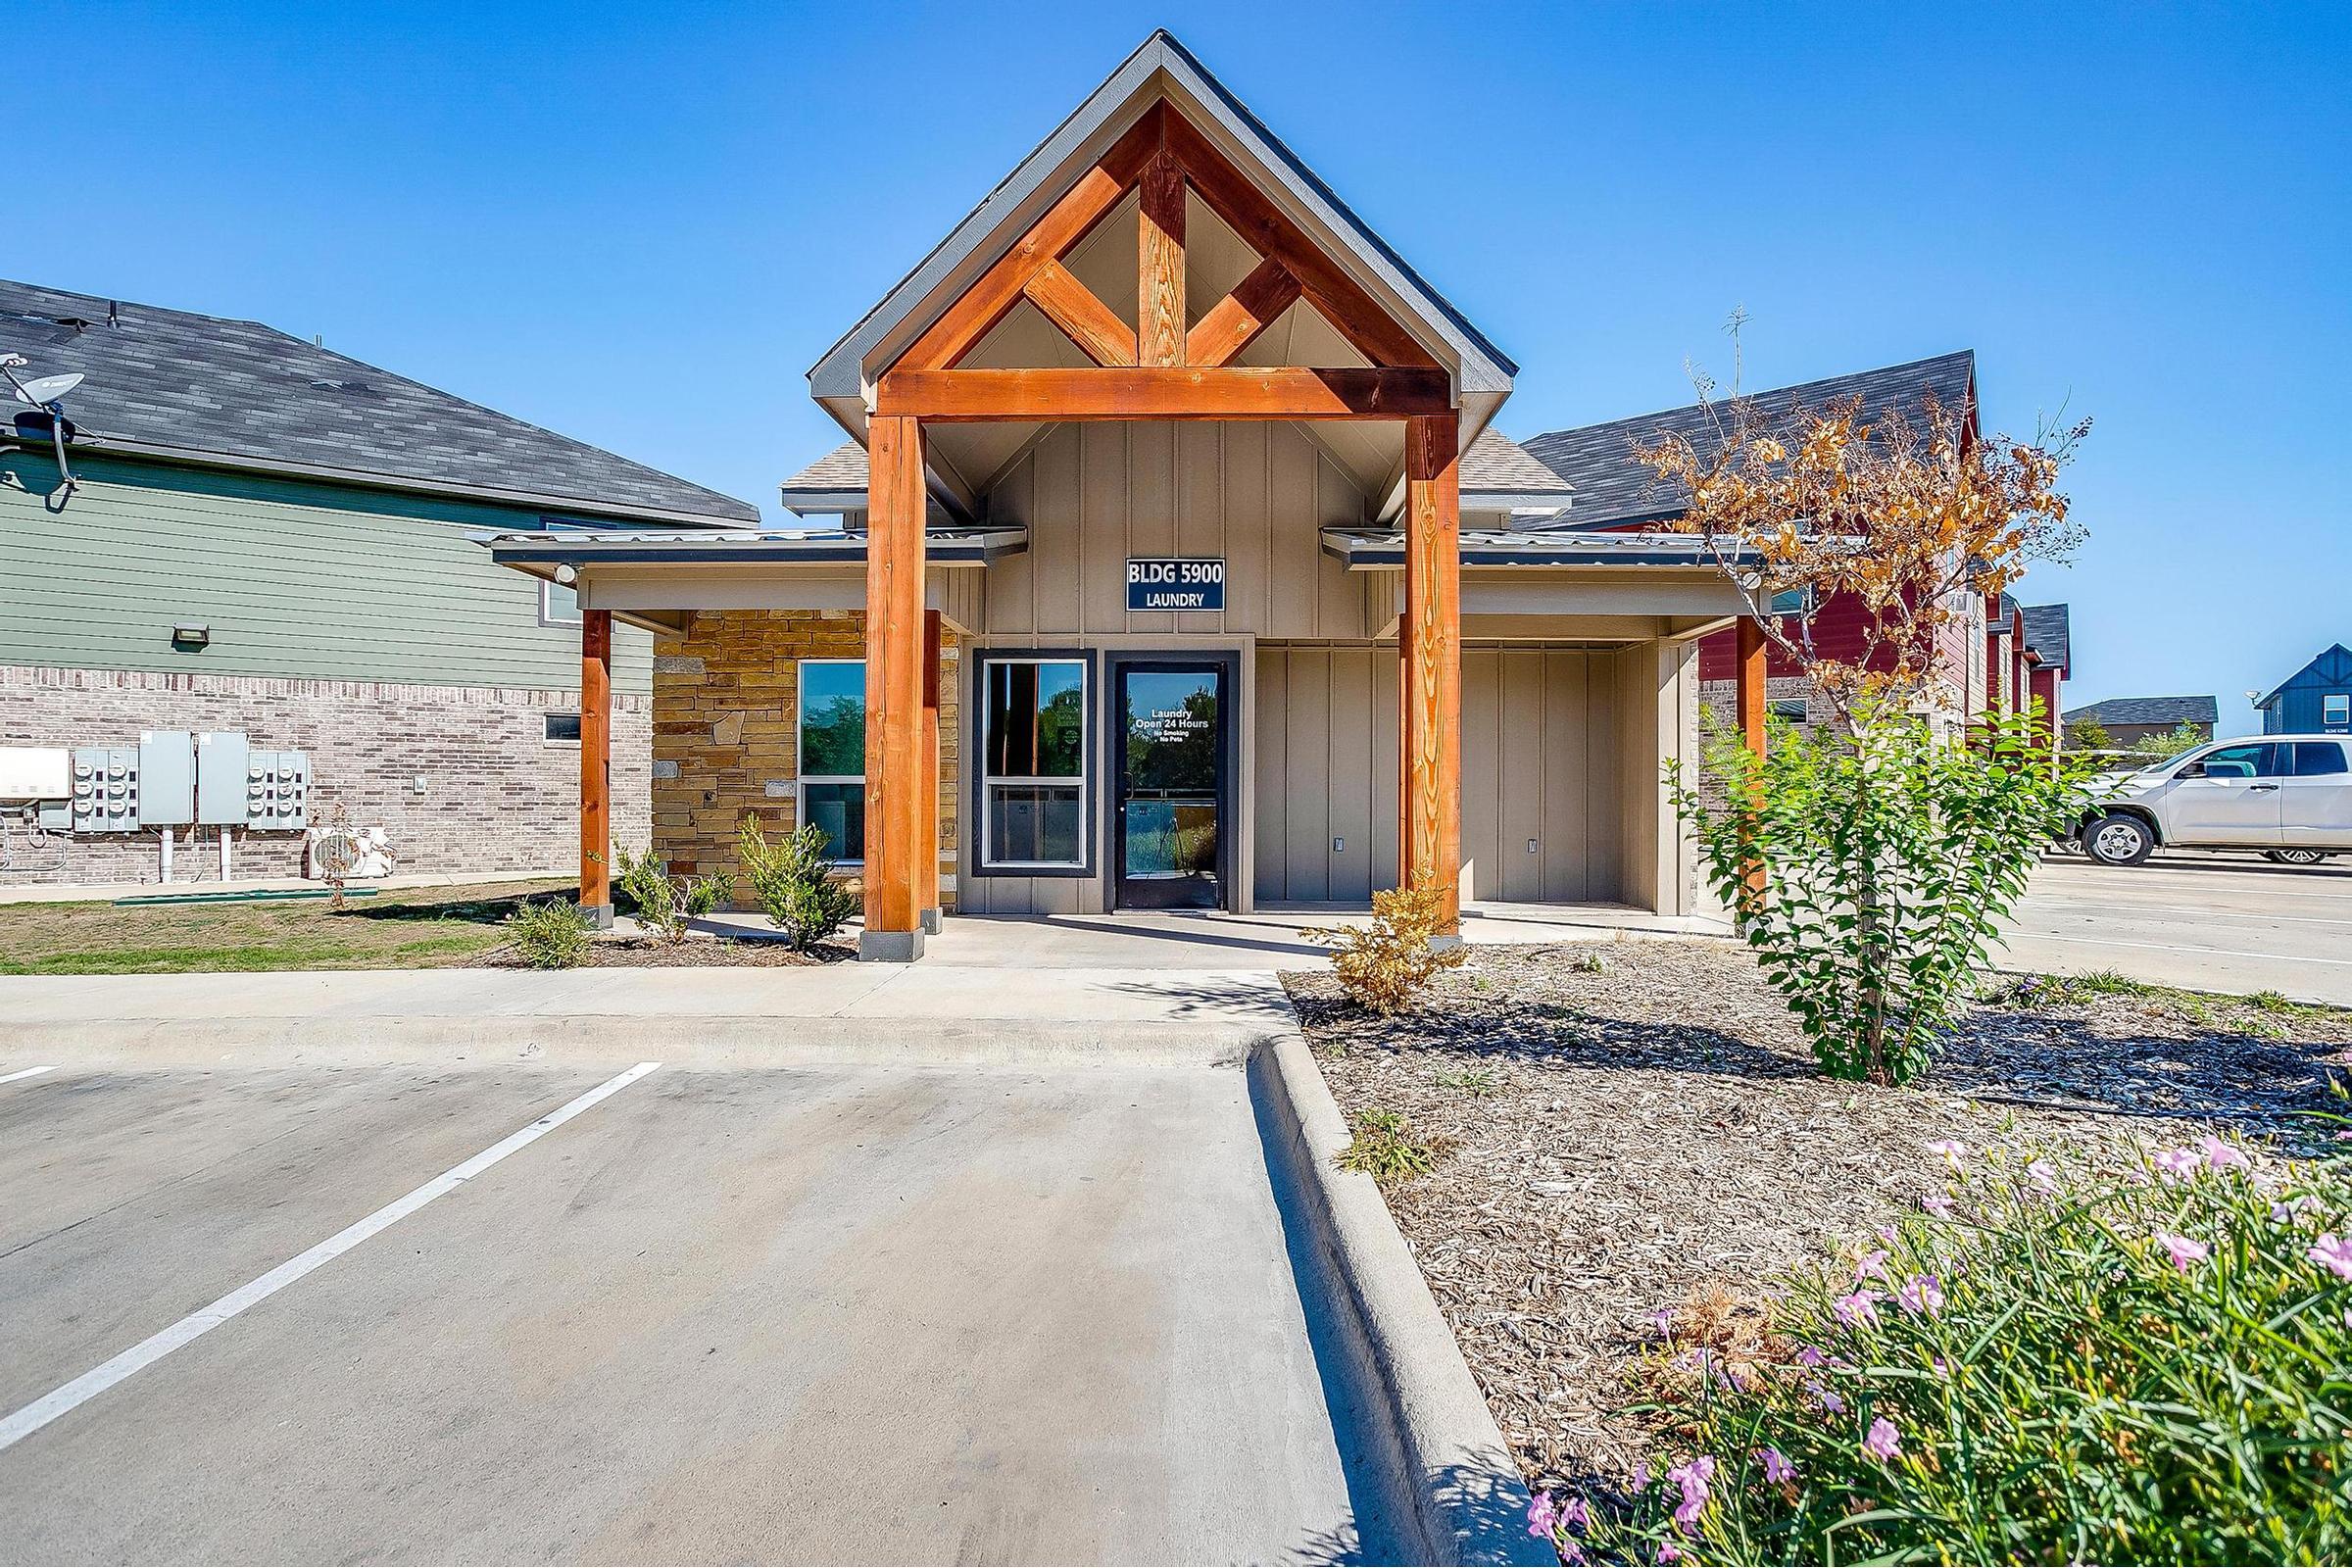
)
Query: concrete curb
[{"x": 1463, "y": 1498}]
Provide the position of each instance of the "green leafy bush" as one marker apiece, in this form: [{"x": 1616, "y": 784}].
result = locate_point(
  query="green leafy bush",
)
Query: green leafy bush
[
  {"x": 793, "y": 883},
  {"x": 1387, "y": 964},
  {"x": 2136, "y": 1361},
  {"x": 662, "y": 902},
  {"x": 551, "y": 934},
  {"x": 1890, "y": 857}
]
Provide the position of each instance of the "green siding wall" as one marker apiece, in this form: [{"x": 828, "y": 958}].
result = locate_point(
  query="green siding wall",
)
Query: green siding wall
[{"x": 294, "y": 579}]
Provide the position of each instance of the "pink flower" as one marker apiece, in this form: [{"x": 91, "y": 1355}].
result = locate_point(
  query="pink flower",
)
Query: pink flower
[
  {"x": 2186, "y": 1253},
  {"x": 1922, "y": 1296},
  {"x": 1663, "y": 1317},
  {"x": 2294, "y": 1208},
  {"x": 2220, "y": 1156},
  {"x": 1570, "y": 1552},
  {"x": 1943, "y": 1368},
  {"x": 1777, "y": 1467},
  {"x": 1860, "y": 1307},
  {"x": 1872, "y": 1265},
  {"x": 2043, "y": 1177},
  {"x": 2179, "y": 1165},
  {"x": 1668, "y": 1551},
  {"x": 1576, "y": 1516},
  {"x": 1953, "y": 1150},
  {"x": 1936, "y": 1203},
  {"x": 2332, "y": 1255},
  {"x": 1692, "y": 1476},
  {"x": 1884, "y": 1440},
  {"x": 1829, "y": 1400},
  {"x": 1542, "y": 1516},
  {"x": 1810, "y": 1355}
]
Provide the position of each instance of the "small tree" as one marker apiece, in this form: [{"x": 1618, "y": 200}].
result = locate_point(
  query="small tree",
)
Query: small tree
[
  {"x": 2089, "y": 735},
  {"x": 1911, "y": 521},
  {"x": 2172, "y": 743},
  {"x": 792, "y": 881}
]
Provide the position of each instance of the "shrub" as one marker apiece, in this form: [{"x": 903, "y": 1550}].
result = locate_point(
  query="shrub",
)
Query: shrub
[
  {"x": 1385, "y": 1147},
  {"x": 1890, "y": 858},
  {"x": 2144, "y": 1362},
  {"x": 793, "y": 883},
  {"x": 1386, "y": 965},
  {"x": 551, "y": 934},
  {"x": 647, "y": 883},
  {"x": 705, "y": 894}
]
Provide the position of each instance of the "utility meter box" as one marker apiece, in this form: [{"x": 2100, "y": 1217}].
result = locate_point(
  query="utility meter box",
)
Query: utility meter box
[
  {"x": 106, "y": 789},
  {"x": 35, "y": 773},
  {"x": 166, "y": 778},
  {"x": 220, "y": 778},
  {"x": 278, "y": 791}
]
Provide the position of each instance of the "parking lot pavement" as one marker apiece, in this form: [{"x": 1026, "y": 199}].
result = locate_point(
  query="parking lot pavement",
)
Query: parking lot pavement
[
  {"x": 2207, "y": 922},
  {"x": 804, "y": 1314}
]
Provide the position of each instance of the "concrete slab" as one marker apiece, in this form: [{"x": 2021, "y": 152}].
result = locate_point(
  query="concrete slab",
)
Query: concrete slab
[
  {"x": 845, "y": 1316},
  {"x": 2208, "y": 923}
]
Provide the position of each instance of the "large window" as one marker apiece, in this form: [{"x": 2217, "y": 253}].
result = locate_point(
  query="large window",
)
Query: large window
[
  {"x": 832, "y": 772},
  {"x": 1033, "y": 763},
  {"x": 2336, "y": 709}
]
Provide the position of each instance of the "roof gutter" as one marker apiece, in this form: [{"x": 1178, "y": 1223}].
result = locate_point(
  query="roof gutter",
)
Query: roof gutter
[{"x": 364, "y": 479}]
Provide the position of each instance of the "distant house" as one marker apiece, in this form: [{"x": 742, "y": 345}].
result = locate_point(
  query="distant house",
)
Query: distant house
[
  {"x": 1981, "y": 660},
  {"x": 269, "y": 538},
  {"x": 2128, "y": 720},
  {"x": 2316, "y": 698}
]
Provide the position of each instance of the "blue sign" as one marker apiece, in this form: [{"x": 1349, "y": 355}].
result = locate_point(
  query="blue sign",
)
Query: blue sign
[{"x": 1167, "y": 582}]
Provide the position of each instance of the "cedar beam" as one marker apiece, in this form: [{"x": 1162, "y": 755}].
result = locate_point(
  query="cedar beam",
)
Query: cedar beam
[
  {"x": 596, "y": 764},
  {"x": 998, "y": 290},
  {"x": 1082, "y": 316},
  {"x": 1170, "y": 392},
  {"x": 1159, "y": 313},
  {"x": 1235, "y": 322},
  {"x": 1431, "y": 856},
  {"x": 896, "y": 810},
  {"x": 1749, "y": 707}
]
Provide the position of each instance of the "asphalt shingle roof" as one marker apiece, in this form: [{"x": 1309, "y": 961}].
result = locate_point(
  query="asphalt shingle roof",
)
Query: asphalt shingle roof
[
  {"x": 1612, "y": 489},
  {"x": 2049, "y": 632},
  {"x": 1495, "y": 463},
  {"x": 2149, "y": 710},
  {"x": 207, "y": 384}
]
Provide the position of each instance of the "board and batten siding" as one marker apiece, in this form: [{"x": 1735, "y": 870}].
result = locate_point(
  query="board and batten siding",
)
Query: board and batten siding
[
  {"x": 1540, "y": 746},
  {"x": 1256, "y": 495},
  {"x": 293, "y": 580}
]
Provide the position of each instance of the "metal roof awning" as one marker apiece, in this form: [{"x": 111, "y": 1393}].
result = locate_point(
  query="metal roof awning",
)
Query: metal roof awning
[
  {"x": 1382, "y": 548},
  {"x": 578, "y": 548}
]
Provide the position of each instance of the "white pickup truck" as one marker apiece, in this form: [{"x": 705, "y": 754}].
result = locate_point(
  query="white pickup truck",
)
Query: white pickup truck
[{"x": 2288, "y": 796}]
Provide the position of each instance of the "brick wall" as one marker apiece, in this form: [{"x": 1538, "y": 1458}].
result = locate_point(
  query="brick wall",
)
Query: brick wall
[
  {"x": 498, "y": 796},
  {"x": 726, "y": 730}
]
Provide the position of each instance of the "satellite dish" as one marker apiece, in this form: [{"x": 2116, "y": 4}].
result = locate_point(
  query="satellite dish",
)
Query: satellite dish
[{"x": 47, "y": 388}]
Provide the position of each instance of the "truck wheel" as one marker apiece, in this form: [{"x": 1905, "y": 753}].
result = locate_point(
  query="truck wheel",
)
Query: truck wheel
[
  {"x": 2120, "y": 840},
  {"x": 2295, "y": 856}
]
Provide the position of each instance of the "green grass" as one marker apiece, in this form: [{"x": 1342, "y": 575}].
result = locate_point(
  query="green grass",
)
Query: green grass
[
  {"x": 2264, "y": 1014},
  {"x": 1476, "y": 1082},
  {"x": 407, "y": 929},
  {"x": 1385, "y": 1147}
]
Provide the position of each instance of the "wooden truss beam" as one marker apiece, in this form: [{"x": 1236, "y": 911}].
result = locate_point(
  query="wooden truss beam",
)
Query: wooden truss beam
[
  {"x": 1082, "y": 316},
  {"x": 1175, "y": 392},
  {"x": 1159, "y": 314},
  {"x": 1235, "y": 322}
]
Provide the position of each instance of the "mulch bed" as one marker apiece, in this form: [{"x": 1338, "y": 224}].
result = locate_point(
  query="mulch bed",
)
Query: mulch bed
[
  {"x": 697, "y": 952},
  {"x": 1616, "y": 1136}
]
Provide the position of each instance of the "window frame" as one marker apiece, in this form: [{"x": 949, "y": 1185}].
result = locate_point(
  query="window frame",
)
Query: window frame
[
  {"x": 547, "y": 720},
  {"x": 2343, "y": 714},
  {"x": 801, "y": 777},
  {"x": 978, "y": 858},
  {"x": 547, "y": 614}
]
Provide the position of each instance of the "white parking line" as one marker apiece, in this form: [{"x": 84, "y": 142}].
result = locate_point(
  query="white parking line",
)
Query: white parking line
[
  {"x": 2170, "y": 946},
  {"x": 40, "y": 1412},
  {"x": 25, "y": 1072}
]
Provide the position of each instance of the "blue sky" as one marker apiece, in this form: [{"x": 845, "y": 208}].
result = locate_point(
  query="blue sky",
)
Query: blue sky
[{"x": 639, "y": 225}]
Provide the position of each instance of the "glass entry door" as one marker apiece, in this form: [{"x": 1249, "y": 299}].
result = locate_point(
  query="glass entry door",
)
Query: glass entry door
[{"x": 1169, "y": 812}]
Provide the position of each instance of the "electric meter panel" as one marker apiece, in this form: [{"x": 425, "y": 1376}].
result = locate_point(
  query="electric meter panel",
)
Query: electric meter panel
[
  {"x": 106, "y": 789},
  {"x": 278, "y": 791}
]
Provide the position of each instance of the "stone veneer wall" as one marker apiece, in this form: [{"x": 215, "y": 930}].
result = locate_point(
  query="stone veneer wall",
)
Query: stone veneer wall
[
  {"x": 726, "y": 731},
  {"x": 499, "y": 796}
]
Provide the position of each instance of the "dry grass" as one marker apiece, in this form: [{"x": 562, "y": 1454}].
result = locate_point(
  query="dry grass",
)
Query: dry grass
[{"x": 1649, "y": 1133}]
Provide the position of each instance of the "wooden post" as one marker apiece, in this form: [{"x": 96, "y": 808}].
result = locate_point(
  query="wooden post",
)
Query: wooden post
[
  {"x": 596, "y": 764},
  {"x": 1432, "y": 641},
  {"x": 1159, "y": 313},
  {"x": 926, "y": 875},
  {"x": 895, "y": 816},
  {"x": 1751, "y": 668}
]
